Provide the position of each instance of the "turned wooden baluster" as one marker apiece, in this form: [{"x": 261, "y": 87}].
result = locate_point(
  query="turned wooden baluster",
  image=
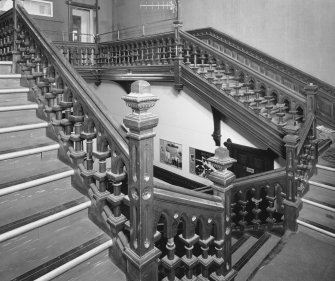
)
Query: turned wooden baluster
[
  {"x": 77, "y": 119},
  {"x": 256, "y": 199},
  {"x": 202, "y": 71},
  {"x": 170, "y": 261},
  {"x": 103, "y": 152},
  {"x": 257, "y": 100},
  {"x": 158, "y": 56},
  {"x": 164, "y": 51},
  {"x": 189, "y": 238},
  {"x": 66, "y": 105},
  {"x": 210, "y": 70},
  {"x": 170, "y": 50},
  {"x": 243, "y": 212},
  {"x": 205, "y": 241},
  {"x": 271, "y": 197},
  {"x": 89, "y": 134},
  {"x": 218, "y": 74},
  {"x": 116, "y": 176}
]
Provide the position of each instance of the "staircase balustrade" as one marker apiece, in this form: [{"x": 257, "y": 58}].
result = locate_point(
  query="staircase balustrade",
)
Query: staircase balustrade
[
  {"x": 288, "y": 77},
  {"x": 242, "y": 83},
  {"x": 79, "y": 54},
  {"x": 257, "y": 201},
  {"x": 6, "y": 36},
  {"x": 92, "y": 142},
  {"x": 193, "y": 229}
]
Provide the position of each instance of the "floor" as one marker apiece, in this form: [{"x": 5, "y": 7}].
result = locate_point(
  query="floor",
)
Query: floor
[{"x": 299, "y": 257}]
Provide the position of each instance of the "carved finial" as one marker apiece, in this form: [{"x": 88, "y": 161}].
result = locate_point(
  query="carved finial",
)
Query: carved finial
[
  {"x": 140, "y": 98},
  {"x": 221, "y": 160}
]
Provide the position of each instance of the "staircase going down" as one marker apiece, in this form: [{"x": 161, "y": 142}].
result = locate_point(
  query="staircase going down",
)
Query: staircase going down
[
  {"x": 45, "y": 231},
  {"x": 317, "y": 217}
]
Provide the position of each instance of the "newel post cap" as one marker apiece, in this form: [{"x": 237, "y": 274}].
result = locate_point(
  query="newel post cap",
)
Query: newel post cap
[
  {"x": 221, "y": 162},
  {"x": 140, "y": 99},
  {"x": 311, "y": 88}
]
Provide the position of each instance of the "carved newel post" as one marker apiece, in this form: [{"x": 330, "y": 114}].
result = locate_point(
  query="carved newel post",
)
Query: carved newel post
[
  {"x": 292, "y": 203},
  {"x": 223, "y": 179},
  {"x": 142, "y": 254}
]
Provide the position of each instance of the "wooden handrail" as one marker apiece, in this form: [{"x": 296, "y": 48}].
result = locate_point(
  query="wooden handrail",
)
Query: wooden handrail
[
  {"x": 77, "y": 84},
  {"x": 160, "y": 185},
  {"x": 261, "y": 177}
]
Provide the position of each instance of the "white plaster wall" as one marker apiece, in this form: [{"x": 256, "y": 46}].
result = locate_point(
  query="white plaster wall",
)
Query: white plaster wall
[
  {"x": 183, "y": 119},
  {"x": 298, "y": 32}
]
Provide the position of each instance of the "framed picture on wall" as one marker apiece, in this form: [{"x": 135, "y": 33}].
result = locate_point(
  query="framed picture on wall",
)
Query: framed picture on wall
[
  {"x": 198, "y": 162},
  {"x": 171, "y": 153}
]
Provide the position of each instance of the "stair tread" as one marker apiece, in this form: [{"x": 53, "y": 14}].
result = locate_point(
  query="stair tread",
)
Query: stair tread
[
  {"x": 20, "y": 207},
  {"x": 19, "y": 117},
  {"x": 47, "y": 142},
  {"x": 238, "y": 254},
  {"x": 321, "y": 195},
  {"x": 249, "y": 253},
  {"x": 24, "y": 169},
  {"x": 99, "y": 267},
  {"x": 257, "y": 258},
  {"x": 12, "y": 89},
  {"x": 47, "y": 243},
  {"x": 13, "y": 141},
  {"x": 318, "y": 215}
]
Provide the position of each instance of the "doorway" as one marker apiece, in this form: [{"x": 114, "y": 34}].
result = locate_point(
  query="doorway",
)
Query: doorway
[{"x": 82, "y": 25}]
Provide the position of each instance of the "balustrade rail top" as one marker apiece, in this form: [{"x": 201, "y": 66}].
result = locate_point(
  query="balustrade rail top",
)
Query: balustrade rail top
[
  {"x": 75, "y": 43},
  {"x": 131, "y": 40},
  {"x": 218, "y": 53},
  {"x": 280, "y": 65},
  {"x": 77, "y": 83},
  {"x": 277, "y": 173},
  {"x": 159, "y": 184}
]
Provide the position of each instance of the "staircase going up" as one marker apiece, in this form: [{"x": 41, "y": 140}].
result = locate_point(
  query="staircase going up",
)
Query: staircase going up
[
  {"x": 44, "y": 226},
  {"x": 317, "y": 217}
]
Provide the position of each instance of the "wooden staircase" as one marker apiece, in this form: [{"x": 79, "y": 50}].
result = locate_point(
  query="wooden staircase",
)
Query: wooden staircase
[
  {"x": 45, "y": 231},
  {"x": 317, "y": 217}
]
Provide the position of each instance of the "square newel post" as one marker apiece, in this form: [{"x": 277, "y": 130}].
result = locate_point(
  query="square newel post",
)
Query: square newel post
[
  {"x": 311, "y": 92},
  {"x": 292, "y": 203},
  {"x": 15, "y": 53},
  {"x": 142, "y": 254},
  {"x": 223, "y": 179},
  {"x": 178, "y": 56}
]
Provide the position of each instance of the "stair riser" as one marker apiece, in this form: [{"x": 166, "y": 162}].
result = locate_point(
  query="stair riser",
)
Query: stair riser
[
  {"x": 5, "y": 98},
  {"x": 5, "y": 68},
  {"x": 29, "y": 160},
  {"x": 29, "y": 136},
  {"x": 318, "y": 215},
  {"x": 22, "y": 204},
  {"x": 19, "y": 117},
  {"x": 23, "y": 153},
  {"x": 9, "y": 82}
]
